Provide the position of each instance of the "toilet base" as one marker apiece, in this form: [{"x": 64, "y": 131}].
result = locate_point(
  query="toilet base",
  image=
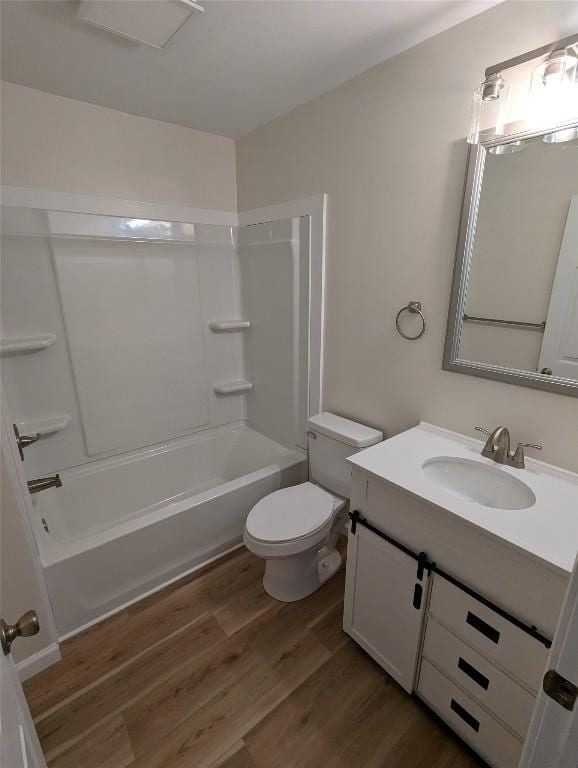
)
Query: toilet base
[
  {"x": 293, "y": 578},
  {"x": 329, "y": 563}
]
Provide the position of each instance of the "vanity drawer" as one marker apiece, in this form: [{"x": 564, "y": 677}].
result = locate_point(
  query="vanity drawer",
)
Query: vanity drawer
[
  {"x": 487, "y": 631},
  {"x": 468, "y": 719},
  {"x": 486, "y": 683}
]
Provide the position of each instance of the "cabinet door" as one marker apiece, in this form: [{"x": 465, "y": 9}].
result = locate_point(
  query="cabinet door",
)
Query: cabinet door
[{"x": 384, "y": 604}]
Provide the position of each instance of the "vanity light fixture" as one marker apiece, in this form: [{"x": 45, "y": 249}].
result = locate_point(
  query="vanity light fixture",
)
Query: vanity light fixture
[{"x": 552, "y": 99}]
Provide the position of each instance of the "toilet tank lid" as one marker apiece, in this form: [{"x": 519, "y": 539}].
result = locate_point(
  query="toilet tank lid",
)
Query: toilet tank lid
[{"x": 344, "y": 430}]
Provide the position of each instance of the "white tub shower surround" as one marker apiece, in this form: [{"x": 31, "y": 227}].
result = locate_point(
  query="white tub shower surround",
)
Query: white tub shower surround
[{"x": 166, "y": 364}]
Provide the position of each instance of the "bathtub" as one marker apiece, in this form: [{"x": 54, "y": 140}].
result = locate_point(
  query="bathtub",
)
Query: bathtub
[{"x": 121, "y": 528}]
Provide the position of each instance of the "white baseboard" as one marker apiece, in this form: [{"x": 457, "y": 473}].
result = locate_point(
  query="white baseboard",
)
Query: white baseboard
[{"x": 39, "y": 661}]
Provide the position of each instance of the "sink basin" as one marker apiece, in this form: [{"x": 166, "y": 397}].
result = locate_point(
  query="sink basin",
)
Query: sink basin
[{"x": 480, "y": 483}]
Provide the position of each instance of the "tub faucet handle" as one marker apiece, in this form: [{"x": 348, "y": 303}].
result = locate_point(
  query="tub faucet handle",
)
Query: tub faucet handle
[{"x": 23, "y": 441}]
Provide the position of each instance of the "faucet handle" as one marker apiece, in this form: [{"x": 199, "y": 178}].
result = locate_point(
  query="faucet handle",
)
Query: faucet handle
[
  {"x": 530, "y": 445},
  {"x": 518, "y": 459},
  {"x": 481, "y": 429}
]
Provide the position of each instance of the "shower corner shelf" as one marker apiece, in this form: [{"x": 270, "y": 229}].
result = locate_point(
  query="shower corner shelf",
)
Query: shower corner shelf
[
  {"x": 229, "y": 326},
  {"x": 235, "y": 387},
  {"x": 45, "y": 426},
  {"x": 22, "y": 344}
]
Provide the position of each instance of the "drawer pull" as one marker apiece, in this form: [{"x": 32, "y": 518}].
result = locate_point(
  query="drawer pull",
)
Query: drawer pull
[
  {"x": 472, "y": 672},
  {"x": 483, "y": 627},
  {"x": 465, "y": 715}
]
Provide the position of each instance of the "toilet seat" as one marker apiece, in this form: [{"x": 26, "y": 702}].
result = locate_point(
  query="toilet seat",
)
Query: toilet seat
[{"x": 291, "y": 514}]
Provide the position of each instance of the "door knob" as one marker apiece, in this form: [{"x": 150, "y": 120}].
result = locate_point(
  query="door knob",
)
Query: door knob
[{"x": 26, "y": 626}]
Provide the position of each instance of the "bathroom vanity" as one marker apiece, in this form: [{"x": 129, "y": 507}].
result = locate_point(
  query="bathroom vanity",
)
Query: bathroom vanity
[{"x": 456, "y": 572}]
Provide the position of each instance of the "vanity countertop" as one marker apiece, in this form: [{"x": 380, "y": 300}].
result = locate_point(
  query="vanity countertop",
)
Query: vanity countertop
[{"x": 548, "y": 529}]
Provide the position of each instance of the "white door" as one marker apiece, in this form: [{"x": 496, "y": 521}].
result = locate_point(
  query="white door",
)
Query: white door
[
  {"x": 384, "y": 603},
  {"x": 19, "y": 745},
  {"x": 559, "y": 352},
  {"x": 552, "y": 740}
]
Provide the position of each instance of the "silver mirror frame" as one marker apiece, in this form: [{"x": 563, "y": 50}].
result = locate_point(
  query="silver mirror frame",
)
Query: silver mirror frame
[{"x": 464, "y": 254}]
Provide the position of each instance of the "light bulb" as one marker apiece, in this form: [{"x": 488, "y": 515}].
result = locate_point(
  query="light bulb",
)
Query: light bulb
[
  {"x": 492, "y": 87},
  {"x": 553, "y": 97},
  {"x": 508, "y": 149},
  {"x": 562, "y": 136},
  {"x": 559, "y": 66},
  {"x": 489, "y": 108}
]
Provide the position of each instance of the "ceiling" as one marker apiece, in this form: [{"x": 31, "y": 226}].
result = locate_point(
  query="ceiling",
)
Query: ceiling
[{"x": 227, "y": 71}]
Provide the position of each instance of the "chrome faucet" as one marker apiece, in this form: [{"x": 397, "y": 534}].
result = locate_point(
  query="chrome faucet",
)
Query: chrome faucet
[
  {"x": 44, "y": 483},
  {"x": 497, "y": 448}
]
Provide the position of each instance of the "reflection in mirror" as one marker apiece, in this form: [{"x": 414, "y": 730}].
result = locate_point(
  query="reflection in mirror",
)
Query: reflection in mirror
[
  {"x": 515, "y": 306},
  {"x": 525, "y": 238}
]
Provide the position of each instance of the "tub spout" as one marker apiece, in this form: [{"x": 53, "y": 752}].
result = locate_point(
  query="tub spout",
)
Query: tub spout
[{"x": 43, "y": 483}]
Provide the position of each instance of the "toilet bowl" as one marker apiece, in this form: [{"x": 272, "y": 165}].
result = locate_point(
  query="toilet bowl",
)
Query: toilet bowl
[
  {"x": 292, "y": 530},
  {"x": 296, "y": 529}
]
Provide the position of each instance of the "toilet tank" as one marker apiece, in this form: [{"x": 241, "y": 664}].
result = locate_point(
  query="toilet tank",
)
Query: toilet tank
[{"x": 331, "y": 440}]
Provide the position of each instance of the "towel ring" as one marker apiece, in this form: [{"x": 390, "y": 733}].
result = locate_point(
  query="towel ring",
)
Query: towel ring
[{"x": 415, "y": 308}]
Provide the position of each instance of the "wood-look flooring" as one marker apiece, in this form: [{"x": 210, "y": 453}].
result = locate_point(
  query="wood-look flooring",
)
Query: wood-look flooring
[{"x": 212, "y": 673}]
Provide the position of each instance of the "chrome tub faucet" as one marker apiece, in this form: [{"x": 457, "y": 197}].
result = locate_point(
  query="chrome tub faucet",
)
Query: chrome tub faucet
[{"x": 44, "y": 483}]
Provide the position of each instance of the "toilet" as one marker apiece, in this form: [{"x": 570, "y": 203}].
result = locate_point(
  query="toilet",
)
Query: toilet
[{"x": 295, "y": 530}]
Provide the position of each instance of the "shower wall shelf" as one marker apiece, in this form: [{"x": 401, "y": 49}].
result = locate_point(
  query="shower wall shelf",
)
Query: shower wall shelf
[
  {"x": 45, "y": 426},
  {"x": 229, "y": 326},
  {"x": 22, "y": 344},
  {"x": 235, "y": 387}
]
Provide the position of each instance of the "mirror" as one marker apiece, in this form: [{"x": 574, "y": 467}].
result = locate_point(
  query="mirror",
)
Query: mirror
[{"x": 514, "y": 305}]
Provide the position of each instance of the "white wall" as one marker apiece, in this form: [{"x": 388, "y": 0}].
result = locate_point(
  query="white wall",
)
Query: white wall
[
  {"x": 388, "y": 147},
  {"x": 54, "y": 143}
]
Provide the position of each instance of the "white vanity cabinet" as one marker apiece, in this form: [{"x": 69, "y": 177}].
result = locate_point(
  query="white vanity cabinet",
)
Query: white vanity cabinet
[
  {"x": 475, "y": 648},
  {"x": 480, "y": 672},
  {"x": 385, "y": 599}
]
